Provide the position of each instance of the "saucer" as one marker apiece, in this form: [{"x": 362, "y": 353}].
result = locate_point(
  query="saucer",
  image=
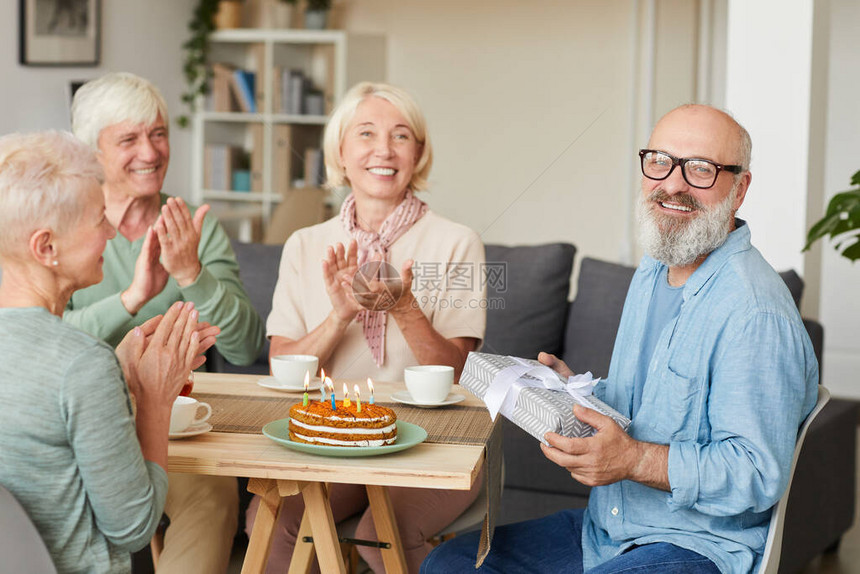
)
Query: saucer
[
  {"x": 274, "y": 384},
  {"x": 406, "y": 398},
  {"x": 193, "y": 430}
]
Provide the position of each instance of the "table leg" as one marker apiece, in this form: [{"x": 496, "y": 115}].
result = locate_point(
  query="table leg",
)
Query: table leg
[
  {"x": 264, "y": 525},
  {"x": 303, "y": 552},
  {"x": 386, "y": 529},
  {"x": 318, "y": 511}
]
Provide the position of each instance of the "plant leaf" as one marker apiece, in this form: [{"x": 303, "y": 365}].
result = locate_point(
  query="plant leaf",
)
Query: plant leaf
[{"x": 852, "y": 252}]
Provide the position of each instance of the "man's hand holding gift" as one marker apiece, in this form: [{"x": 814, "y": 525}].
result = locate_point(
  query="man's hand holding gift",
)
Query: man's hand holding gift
[{"x": 610, "y": 455}]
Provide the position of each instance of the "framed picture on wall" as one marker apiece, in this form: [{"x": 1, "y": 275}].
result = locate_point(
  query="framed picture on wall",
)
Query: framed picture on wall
[{"x": 59, "y": 32}]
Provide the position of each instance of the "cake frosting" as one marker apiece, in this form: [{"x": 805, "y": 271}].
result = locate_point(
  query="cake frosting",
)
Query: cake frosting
[{"x": 317, "y": 423}]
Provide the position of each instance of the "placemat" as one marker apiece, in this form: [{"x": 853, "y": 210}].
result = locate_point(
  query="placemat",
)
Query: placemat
[{"x": 451, "y": 425}]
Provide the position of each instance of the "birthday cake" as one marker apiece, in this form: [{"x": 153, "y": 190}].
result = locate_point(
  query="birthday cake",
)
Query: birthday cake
[{"x": 318, "y": 423}]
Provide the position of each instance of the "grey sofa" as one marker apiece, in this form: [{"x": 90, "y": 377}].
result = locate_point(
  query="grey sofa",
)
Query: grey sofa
[
  {"x": 538, "y": 316},
  {"x": 531, "y": 312}
]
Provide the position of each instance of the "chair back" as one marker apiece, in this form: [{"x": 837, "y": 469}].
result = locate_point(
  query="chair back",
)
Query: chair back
[
  {"x": 773, "y": 546},
  {"x": 21, "y": 546}
]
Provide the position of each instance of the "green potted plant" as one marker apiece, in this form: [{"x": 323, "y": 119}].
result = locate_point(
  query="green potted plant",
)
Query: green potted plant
[
  {"x": 841, "y": 222},
  {"x": 194, "y": 68},
  {"x": 316, "y": 14}
]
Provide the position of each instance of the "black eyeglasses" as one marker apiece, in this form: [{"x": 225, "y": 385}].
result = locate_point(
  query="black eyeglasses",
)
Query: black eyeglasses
[{"x": 700, "y": 173}]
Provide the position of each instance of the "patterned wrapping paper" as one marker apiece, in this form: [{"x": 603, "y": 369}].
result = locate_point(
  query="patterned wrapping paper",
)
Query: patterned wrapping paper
[{"x": 537, "y": 410}]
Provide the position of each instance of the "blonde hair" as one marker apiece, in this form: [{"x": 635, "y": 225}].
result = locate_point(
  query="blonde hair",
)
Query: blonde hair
[
  {"x": 44, "y": 178},
  {"x": 345, "y": 111},
  {"x": 112, "y": 99}
]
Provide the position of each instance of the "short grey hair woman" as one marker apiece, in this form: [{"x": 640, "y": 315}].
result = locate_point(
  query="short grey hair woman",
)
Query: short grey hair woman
[{"x": 89, "y": 469}]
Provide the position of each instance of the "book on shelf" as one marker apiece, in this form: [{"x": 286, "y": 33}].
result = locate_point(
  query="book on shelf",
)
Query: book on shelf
[
  {"x": 219, "y": 163},
  {"x": 281, "y": 158},
  {"x": 295, "y": 93},
  {"x": 222, "y": 97},
  {"x": 314, "y": 167},
  {"x": 258, "y": 52},
  {"x": 256, "y": 164},
  {"x": 244, "y": 89},
  {"x": 314, "y": 103},
  {"x": 277, "y": 90}
]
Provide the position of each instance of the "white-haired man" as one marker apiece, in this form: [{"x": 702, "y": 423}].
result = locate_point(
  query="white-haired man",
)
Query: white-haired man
[{"x": 163, "y": 252}]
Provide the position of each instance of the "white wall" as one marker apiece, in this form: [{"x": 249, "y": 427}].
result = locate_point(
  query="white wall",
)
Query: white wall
[
  {"x": 768, "y": 79},
  {"x": 140, "y": 37},
  {"x": 840, "y": 279},
  {"x": 528, "y": 108}
]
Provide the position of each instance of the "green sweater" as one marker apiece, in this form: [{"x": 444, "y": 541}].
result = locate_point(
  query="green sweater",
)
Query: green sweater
[
  {"x": 68, "y": 448},
  {"x": 218, "y": 294}
]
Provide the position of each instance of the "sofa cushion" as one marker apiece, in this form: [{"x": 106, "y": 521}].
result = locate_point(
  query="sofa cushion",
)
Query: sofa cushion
[
  {"x": 526, "y": 302},
  {"x": 258, "y": 270},
  {"x": 794, "y": 283},
  {"x": 594, "y": 316}
]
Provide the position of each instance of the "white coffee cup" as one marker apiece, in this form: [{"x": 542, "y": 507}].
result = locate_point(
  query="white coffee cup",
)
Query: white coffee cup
[
  {"x": 184, "y": 414},
  {"x": 290, "y": 369},
  {"x": 429, "y": 384}
]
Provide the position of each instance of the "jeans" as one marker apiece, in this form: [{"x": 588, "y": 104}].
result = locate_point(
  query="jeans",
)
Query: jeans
[{"x": 553, "y": 545}]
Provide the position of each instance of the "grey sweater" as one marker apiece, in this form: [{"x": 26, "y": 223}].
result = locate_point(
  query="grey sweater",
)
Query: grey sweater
[{"x": 68, "y": 448}]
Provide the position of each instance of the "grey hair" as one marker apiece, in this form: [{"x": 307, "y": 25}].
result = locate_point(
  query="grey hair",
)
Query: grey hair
[
  {"x": 112, "y": 99},
  {"x": 43, "y": 179},
  {"x": 345, "y": 111}
]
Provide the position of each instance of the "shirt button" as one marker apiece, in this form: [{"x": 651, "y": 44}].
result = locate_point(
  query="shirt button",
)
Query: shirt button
[{"x": 614, "y": 511}]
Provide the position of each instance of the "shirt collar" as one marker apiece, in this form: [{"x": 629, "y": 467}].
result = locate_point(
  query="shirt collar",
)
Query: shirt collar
[{"x": 737, "y": 241}]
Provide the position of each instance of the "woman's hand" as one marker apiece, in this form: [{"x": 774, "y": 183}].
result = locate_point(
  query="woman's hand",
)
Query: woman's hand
[
  {"x": 406, "y": 299},
  {"x": 339, "y": 267},
  {"x": 158, "y": 356},
  {"x": 179, "y": 236},
  {"x": 207, "y": 334}
]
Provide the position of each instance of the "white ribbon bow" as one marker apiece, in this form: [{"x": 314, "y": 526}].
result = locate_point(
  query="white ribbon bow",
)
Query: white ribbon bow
[{"x": 504, "y": 391}]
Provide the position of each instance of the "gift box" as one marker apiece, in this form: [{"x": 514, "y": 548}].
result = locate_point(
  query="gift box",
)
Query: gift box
[{"x": 533, "y": 396}]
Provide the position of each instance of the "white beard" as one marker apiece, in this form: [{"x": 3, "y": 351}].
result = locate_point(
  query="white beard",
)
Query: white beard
[{"x": 675, "y": 242}]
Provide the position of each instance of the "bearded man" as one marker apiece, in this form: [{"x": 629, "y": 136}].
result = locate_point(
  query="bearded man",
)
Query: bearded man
[{"x": 713, "y": 365}]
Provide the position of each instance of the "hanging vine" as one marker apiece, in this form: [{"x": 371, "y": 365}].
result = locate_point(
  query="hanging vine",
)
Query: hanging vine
[{"x": 197, "y": 73}]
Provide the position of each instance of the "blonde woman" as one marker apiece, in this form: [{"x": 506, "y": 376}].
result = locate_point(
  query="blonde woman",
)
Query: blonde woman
[{"x": 376, "y": 143}]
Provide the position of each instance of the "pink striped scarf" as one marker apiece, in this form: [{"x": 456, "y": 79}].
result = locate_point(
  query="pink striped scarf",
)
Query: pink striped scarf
[{"x": 410, "y": 210}]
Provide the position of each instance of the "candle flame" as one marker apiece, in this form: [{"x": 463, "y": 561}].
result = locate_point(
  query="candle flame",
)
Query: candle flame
[
  {"x": 322, "y": 374},
  {"x": 307, "y": 380},
  {"x": 370, "y": 385},
  {"x": 357, "y": 392},
  {"x": 345, "y": 390}
]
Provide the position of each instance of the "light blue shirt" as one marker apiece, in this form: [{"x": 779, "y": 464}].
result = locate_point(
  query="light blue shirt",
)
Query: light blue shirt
[{"x": 730, "y": 381}]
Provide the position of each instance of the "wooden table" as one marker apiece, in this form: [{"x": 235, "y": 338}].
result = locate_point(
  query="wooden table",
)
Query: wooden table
[{"x": 276, "y": 471}]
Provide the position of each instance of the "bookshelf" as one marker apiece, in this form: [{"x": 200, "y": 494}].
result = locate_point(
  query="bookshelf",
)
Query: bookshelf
[{"x": 258, "y": 162}]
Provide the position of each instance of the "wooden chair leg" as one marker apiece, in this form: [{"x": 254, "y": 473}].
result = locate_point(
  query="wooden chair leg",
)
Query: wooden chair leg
[{"x": 156, "y": 546}]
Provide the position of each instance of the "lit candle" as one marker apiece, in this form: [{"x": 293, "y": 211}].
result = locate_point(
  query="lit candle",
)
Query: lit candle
[
  {"x": 322, "y": 385},
  {"x": 346, "y": 401},
  {"x": 357, "y": 400},
  {"x": 370, "y": 386},
  {"x": 333, "y": 406},
  {"x": 307, "y": 383}
]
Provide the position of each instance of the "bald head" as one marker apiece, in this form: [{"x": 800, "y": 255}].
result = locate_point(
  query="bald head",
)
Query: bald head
[{"x": 717, "y": 135}]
